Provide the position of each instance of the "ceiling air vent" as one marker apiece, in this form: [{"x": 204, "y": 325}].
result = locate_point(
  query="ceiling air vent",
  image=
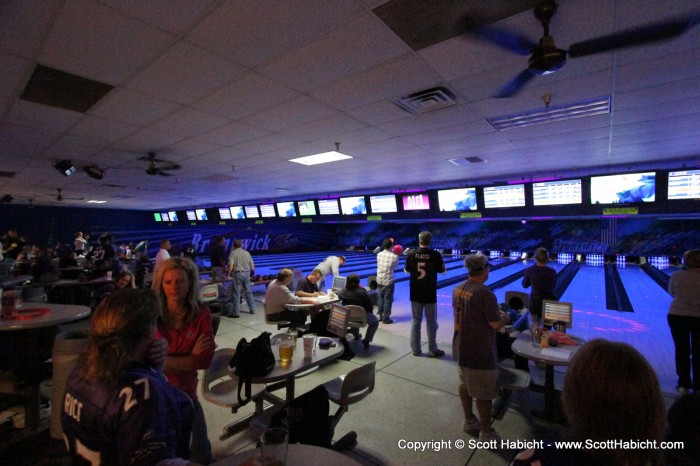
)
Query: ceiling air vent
[
  {"x": 463, "y": 162},
  {"x": 218, "y": 178},
  {"x": 427, "y": 100},
  {"x": 539, "y": 116}
]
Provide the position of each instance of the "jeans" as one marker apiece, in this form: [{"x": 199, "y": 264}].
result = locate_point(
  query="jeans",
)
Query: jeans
[
  {"x": 385, "y": 298},
  {"x": 430, "y": 323},
  {"x": 685, "y": 331},
  {"x": 241, "y": 283},
  {"x": 372, "y": 326}
]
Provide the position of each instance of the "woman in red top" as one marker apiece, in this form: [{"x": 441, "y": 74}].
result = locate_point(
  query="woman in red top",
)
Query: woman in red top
[{"x": 186, "y": 325}]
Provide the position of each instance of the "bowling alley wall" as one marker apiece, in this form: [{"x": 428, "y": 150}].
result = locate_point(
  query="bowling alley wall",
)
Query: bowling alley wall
[{"x": 642, "y": 236}]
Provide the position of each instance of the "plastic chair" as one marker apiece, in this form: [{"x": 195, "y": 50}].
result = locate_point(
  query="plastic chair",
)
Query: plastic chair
[
  {"x": 209, "y": 294},
  {"x": 509, "y": 380},
  {"x": 346, "y": 390},
  {"x": 221, "y": 388},
  {"x": 357, "y": 317}
]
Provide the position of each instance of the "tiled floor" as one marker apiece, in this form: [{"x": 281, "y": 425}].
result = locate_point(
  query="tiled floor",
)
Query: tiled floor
[{"x": 415, "y": 400}]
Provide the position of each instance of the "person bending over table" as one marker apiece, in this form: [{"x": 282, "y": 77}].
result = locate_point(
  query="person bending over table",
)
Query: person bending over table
[
  {"x": 610, "y": 393},
  {"x": 118, "y": 406},
  {"x": 186, "y": 324},
  {"x": 307, "y": 287},
  {"x": 278, "y": 296},
  {"x": 354, "y": 294}
]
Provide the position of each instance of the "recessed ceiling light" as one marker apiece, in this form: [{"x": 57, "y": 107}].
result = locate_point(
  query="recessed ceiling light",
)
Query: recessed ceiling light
[
  {"x": 317, "y": 159},
  {"x": 92, "y": 201}
]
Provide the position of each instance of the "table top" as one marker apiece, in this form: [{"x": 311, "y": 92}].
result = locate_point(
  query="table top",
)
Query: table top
[
  {"x": 94, "y": 282},
  {"x": 319, "y": 301},
  {"x": 556, "y": 356},
  {"x": 297, "y": 454},
  {"x": 57, "y": 314},
  {"x": 12, "y": 281},
  {"x": 299, "y": 363}
]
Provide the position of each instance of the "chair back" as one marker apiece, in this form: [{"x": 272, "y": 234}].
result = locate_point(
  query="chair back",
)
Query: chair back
[
  {"x": 357, "y": 317},
  {"x": 357, "y": 384},
  {"x": 218, "y": 369},
  {"x": 209, "y": 293}
]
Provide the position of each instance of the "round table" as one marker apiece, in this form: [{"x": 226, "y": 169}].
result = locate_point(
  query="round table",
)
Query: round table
[{"x": 297, "y": 454}]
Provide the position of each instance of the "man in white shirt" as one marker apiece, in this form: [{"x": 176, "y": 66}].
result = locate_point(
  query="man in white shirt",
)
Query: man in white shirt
[
  {"x": 278, "y": 296},
  {"x": 163, "y": 253},
  {"x": 240, "y": 268},
  {"x": 329, "y": 266},
  {"x": 387, "y": 262}
]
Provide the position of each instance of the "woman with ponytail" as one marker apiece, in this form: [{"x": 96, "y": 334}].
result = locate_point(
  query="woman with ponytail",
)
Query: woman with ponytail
[{"x": 118, "y": 407}]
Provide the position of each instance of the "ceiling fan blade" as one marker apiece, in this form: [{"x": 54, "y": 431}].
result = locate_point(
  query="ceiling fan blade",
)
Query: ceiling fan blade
[
  {"x": 505, "y": 39},
  {"x": 653, "y": 32},
  {"x": 162, "y": 173},
  {"x": 515, "y": 84},
  {"x": 171, "y": 166}
]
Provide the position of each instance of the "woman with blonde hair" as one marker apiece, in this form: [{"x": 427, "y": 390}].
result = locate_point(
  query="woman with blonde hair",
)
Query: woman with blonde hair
[
  {"x": 118, "y": 407},
  {"x": 186, "y": 324}
]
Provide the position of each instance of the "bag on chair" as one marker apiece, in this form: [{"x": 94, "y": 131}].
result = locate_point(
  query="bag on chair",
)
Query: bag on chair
[{"x": 252, "y": 359}]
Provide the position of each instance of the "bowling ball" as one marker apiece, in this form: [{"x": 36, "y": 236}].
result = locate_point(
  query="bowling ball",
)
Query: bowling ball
[
  {"x": 257, "y": 278},
  {"x": 398, "y": 249}
]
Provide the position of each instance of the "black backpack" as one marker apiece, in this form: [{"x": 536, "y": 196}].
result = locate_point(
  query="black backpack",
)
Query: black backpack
[{"x": 252, "y": 359}]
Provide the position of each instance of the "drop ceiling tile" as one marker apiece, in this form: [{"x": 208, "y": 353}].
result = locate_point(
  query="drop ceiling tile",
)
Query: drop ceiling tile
[
  {"x": 294, "y": 112},
  {"x": 395, "y": 79},
  {"x": 146, "y": 140},
  {"x": 360, "y": 44},
  {"x": 268, "y": 143},
  {"x": 379, "y": 112},
  {"x": 251, "y": 33},
  {"x": 97, "y": 42},
  {"x": 132, "y": 107},
  {"x": 232, "y": 134},
  {"x": 14, "y": 73},
  {"x": 31, "y": 115},
  {"x": 189, "y": 122},
  {"x": 99, "y": 131},
  {"x": 191, "y": 147},
  {"x": 184, "y": 74},
  {"x": 329, "y": 126},
  {"x": 246, "y": 96},
  {"x": 178, "y": 17},
  {"x": 20, "y": 25}
]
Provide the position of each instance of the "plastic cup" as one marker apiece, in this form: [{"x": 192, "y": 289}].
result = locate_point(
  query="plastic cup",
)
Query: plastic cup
[
  {"x": 273, "y": 446},
  {"x": 109, "y": 274},
  {"x": 309, "y": 343}
]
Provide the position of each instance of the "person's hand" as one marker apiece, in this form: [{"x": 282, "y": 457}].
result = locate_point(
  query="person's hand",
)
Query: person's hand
[
  {"x": 203, "y": 344},
  {"x": 157, "y": 354}
]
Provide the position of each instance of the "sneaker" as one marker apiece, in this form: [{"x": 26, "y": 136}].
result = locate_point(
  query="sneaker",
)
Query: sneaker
[
  {"x": 417, "y": 352},
  {"x": 681, "y": 390},
  {"x": 438, "y": 353},
  {"x": 387, "y": 321},
  {"x": 470, "y": 425},
  {"x": 490, "y": 436},
  {"x": 365, "y": 343}
]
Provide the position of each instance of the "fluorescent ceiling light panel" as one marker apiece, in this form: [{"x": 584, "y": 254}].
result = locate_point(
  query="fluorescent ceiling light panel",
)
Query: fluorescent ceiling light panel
[
  {"x": 552, "y": 114},
  {"x": 96, "y": 202},
  {"x": 317, "y": 159}
]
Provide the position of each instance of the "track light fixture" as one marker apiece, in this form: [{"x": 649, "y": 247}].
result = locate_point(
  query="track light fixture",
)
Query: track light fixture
[
  {"x": 94, "y": 171},
  {"x": 65, "y": 167}
]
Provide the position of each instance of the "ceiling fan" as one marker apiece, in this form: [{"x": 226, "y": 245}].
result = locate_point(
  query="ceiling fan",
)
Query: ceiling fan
[
  {"x": 60, "y": 197},
  {"x": 159, "y": 166},
  {"x": 546, "y": 58}
]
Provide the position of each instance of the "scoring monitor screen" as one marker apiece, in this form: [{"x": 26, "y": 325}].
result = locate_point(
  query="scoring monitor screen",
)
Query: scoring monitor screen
[
  {"x": 237, "y": 212},
  {"x": 328, "y": 207},
  {"x": 286, "y": 209},
  {"x": 201, "y": 214},
  {"x": 623, "y": 189},
  {"x": 353, "y": 205},
  {"x": 684, "y": 184},
  {"x": 165, "y": 216},
  {"x": 504, "y": 196},
  {"x": 451, "y": 200},
  {"x": 173, "y": 216},
  {"x": 557, "y": 311},
  {"x": 156, "y": 216},
  {"x": 191, "y": 215},
  {"x": 556, "y": 192},
  {"x": 251, "y": 211},
  {"x": 383, "y": 204},
  {"x": 307, "y": 208},
  {"x": 267, "y": 210}
]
